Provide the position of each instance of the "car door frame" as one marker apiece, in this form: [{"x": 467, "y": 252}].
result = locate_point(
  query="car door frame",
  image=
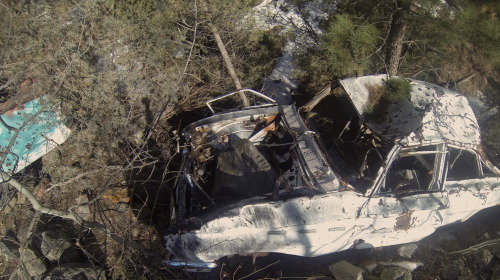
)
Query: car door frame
[{"x": 396, "y": 220}]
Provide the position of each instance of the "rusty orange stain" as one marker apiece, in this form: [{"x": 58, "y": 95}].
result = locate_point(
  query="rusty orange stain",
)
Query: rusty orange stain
[{"x": 403, "y": 222}]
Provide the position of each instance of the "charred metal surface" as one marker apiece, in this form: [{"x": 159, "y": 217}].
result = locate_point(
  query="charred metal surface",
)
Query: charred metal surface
[{"x": 270, "y": 179}]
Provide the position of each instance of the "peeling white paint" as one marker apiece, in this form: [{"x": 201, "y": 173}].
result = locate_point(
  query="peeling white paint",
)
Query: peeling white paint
[{"x": 328, "y": 212}]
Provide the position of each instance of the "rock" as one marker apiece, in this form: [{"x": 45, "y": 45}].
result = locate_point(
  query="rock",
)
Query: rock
[
  {"x": 77, "y": 271},
  {"x": 33, "y": 261},
  {"x": 19, "y": 274},
  {"x": 483, "y": 257},
  {"x": 451, "y": 272},
  {"x": 395, "y": 273},
  {"x": 407, "y": 250},
  {"x": 346, "y": 271},
  {"x": 9, "y": 249},
  {"x": 22, "y": 233},
  {"x": 56, "y": 246}
]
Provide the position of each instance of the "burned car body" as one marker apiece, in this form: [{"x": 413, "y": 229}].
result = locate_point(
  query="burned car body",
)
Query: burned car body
[{"x": 330, "y": 176}]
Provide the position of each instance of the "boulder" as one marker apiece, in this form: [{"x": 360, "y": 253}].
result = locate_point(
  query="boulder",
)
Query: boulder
[
  {"x": 346, "y": 271},
  {"x": 9, "y": 249},
  {"x": 56, "y": 246},
  {"x": 19, "y": 274},
  {"x": 33, "y": 261},
  {"x": 407, "y": 250},
  {"x": 395, "y": 273}
]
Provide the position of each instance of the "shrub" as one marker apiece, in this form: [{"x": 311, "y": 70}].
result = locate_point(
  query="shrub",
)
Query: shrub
[
  {"x": 393, "y": 89},
  {"x": 396, "y": 89}
]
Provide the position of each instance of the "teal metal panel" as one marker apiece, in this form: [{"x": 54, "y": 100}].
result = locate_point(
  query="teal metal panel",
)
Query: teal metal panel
[{"x": 28, "y": 133}]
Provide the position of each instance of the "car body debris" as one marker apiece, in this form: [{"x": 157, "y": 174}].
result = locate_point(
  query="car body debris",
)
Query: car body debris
[
  {"x": 334, "y": 175},
  {"x": 27, "y": 133}
]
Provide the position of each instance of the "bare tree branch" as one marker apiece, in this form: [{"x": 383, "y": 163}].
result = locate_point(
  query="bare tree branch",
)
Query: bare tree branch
[{"x": 37, "y": 206}]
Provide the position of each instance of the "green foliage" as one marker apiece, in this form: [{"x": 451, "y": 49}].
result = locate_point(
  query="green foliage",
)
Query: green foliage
[
  {"x": 396, "y": 89},
  {"x": 259, "y": 55},
  {"x": 346, "y": 49},
  {"x": 481, "y": 27},
  {"x": 349, "y": 46},
  {"x": 443, "y": 41}
]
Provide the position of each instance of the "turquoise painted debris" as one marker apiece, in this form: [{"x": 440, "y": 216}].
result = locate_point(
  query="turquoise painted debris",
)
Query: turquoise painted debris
[{"x": 28, "y": 133}]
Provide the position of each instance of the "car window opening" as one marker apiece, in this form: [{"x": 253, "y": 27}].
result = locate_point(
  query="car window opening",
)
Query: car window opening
[
  {"x": 463, "y": 165},
  {"x": 413, "y": 171},
  {"x": 487, "y": 171}
]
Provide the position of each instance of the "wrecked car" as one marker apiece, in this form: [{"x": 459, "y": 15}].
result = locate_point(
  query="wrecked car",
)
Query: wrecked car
[{"x": 341, "y": 172}]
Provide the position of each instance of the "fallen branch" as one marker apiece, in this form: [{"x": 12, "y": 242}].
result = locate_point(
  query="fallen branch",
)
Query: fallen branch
[
  {"x": 74, "y": 179},
  {"x": 476, "y": 247},
  {"x": 225, "y": 56},
  {"x": 258, "y": 270},
  {"x": 69, "y": 215}
]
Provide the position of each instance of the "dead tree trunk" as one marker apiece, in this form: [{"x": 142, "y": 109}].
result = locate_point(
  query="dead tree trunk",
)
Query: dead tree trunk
[
  {"x": 225, "y": 56},
  {"x": 395, "y": 40}
]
